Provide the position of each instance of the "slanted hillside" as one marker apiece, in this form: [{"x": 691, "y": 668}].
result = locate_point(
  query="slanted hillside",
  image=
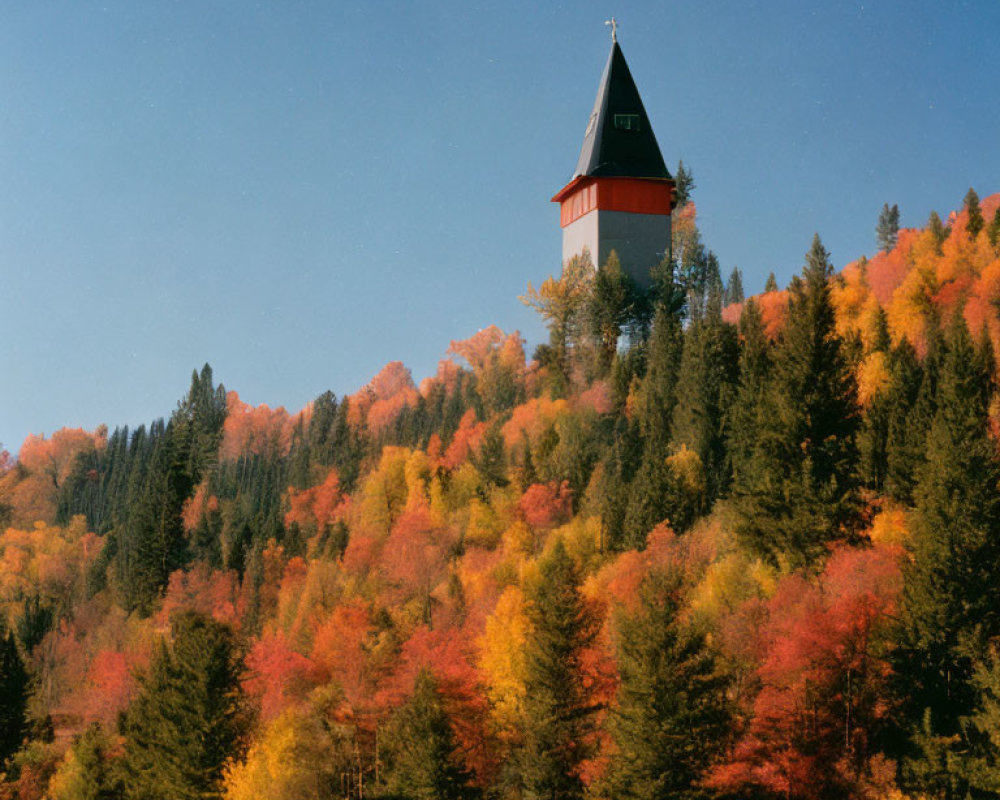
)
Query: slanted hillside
[{"x": 697, "y": 545}]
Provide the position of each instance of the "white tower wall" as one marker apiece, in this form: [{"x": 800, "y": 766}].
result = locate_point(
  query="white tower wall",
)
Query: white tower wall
[{"x": 640, "y": 240}]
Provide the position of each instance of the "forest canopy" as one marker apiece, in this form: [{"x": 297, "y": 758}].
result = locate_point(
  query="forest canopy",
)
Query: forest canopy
[{"x": 698, "y": 544}]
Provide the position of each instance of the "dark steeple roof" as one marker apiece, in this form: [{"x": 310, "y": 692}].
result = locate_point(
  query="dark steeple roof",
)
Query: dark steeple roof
[{"x": 619, "y": 141}]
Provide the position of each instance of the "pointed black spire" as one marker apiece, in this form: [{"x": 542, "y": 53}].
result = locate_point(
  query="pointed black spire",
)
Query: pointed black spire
[{"x": 619, "y": 141}]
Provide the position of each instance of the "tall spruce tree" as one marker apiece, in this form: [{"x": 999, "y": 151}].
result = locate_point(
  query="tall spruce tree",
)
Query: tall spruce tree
[
  {"x": 683, "y": 184},
  {"x": 198, "y": 423},
  {"x": 620, "y": 464},
  {"x": 951, "y": 607},
  {"x": 187, "y": 719},
  {"x": 421, "y": 755},
  {"x": 734, "y": 288},
  {"x": 800, "y": 490},
  {"x": 910, "y": 403},
  {"x": 746, "y": 414},
  {"x": 558, "y": 714},
  {"x": 887, "y": 231},
  {"x": 974, "y": 221},
  {"x": 151, "y": 542},
  {"x": 672, "y": 714},
  {"x": 993, "y": 231},
  {"x": 86, "y": 774},
  {"x": 982, "y": 765},
  {"x": 658, "y": 393},
  {"x": 649, "y": 499},
  {"x": 873, "y": 435},
  {"x": 648, "y": 493},
  {"x": 705, "y": 387},
  {"x": 13, "y": 696},
  {"x": 609, "y": 308},
  {"x": 936, "y": 227}
]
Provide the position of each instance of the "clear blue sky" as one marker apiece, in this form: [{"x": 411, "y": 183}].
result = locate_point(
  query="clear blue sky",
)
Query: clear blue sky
[{"x": 300, "y": 192}]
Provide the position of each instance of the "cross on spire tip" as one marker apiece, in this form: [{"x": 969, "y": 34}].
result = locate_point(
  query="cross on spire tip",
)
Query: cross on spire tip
[{"x": 613, "y": 23}]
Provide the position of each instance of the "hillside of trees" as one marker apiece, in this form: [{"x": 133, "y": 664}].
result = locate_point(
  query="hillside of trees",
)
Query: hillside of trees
[{"x": 697, "y": 545}]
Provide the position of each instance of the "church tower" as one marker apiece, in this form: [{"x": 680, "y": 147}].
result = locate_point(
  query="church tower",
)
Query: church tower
[{"x": 621, "y": 194}]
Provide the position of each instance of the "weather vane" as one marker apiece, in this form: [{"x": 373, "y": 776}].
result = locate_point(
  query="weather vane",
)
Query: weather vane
[{"x": 614, "y": 28}]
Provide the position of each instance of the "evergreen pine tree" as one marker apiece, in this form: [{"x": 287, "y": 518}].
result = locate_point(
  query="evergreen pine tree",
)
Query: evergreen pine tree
[
  {"x": 982, "y": 765},
  {"x": 648, "y": 500},
  {"x": 324, "y": 414},
  {"x": 734, "y": 287},
  {"x": 993, "y": 232},
  {"x": 526, "y": 473},
  {"x": 620, "y": 464},
  {"x": 936, "y": 227},
  {"x": 663, "y": 357},
  {"x": 87, "y": 773},
  {"x": 492, "y": 459},
  {"x": 887, "y": 231},
  {"x": 705, "y": 387},
  {"x": 672, "y": 715},
  {"x": 648, "y": 493},
  {"x": 694, "y": 267},
  {"x": 748, "y": 408},
  {"x": 421, "y": 758},
  {"x": 771, "y": 285},
  {"x": 557, "y": 711},
  {"x": 609, "y": 309},
  {"x": 187, "y": 719},
  {"x": 975, "y": 221},
  {"x": 13, "y": 696},
  {"x": 951, "y": 606},
  {"x": 153, "y": 543},
  {"x": 873, "y": 435},
  {"x": 683, "y": 185},
  {"x": 197, "y": 424},
  {"x": 800, "y": 490},
  {"x": 910, "y": 410}
]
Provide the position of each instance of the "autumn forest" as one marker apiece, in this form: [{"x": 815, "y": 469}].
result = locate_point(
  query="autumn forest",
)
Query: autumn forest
[{"x": 699, "y": 544}]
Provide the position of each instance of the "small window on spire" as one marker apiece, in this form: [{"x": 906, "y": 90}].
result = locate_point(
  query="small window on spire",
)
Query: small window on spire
[{"x": 627, "y": 122}]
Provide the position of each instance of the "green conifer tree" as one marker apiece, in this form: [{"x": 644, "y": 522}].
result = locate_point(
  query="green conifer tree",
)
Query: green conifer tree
[
  {"x": 771, "y": 285},
  {"x": 706, "y": 384},
  {"x": 620, "y": 464},
  {"x": 936, "y": 227},
  {"x": 492, "y": 458},
  {"x": 734, "y": 288},
  {"x": 684, "y": 185},
  {"x": 975, "y": 222},
  {"x": 609, "y": 308},
  {"x": 672, "y": 714},
  {"x": 87, "y": 773},
  {"x": 993, "y": 232},
  {"x": 887, "y": 231},
  {"x": 153, "y": 542},
  {"x": 748, "y": 407},
  {"x": 421, "y": 755},
  {"x": 13, "y": 696},
  {"x": 873, "y": 435},
  {"x": 648, "y": 500},
  {"x": 558, "y": 715},
  {"x": 658, "y": 391},
  {"x": 910, "y": 410},
  {"x": 982, "y": 765},
  {"x": 188, "y": 718},
  {"x": 801, "y": 490},
  {"x": 951, "y": 607}
]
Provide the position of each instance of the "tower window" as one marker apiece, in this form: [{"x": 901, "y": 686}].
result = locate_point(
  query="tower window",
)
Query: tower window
[{"x": 627, "y": 122}]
